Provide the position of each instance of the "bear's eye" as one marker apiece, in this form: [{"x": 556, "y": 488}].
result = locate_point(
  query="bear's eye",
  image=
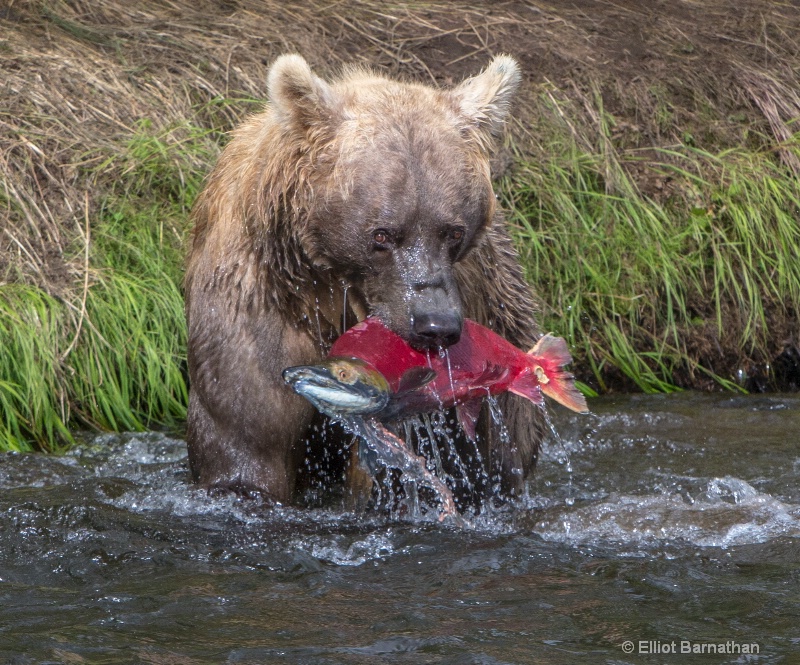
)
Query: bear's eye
[
  {"x": 455, "y": 235},
  {"x": 381, "y": 239}
]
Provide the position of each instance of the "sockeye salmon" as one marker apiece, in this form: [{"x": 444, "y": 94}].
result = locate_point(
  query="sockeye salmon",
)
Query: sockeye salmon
[
  {"x": 372, "y": 376},
  {"x": 372, "y": 371}
]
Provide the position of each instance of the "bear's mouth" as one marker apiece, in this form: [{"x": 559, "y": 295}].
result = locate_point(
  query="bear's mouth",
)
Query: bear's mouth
[
  {"x": 425, "y": 331},
  {"x": 435, "y": 330}
]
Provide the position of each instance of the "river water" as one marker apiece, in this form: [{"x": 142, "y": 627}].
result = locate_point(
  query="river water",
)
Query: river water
[{"x": 655, "y": 525}]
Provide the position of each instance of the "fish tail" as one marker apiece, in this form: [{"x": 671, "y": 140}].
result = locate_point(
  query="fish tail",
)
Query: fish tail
[{"x": 547, "y": 360}]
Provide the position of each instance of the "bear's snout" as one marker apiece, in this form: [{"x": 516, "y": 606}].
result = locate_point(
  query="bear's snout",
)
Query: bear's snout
[
  {"x": 436, "y": 330},
  {"x": 434, "y": 301}
]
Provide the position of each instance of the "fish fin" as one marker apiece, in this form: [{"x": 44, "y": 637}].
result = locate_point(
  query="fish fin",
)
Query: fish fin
[
  {"x": 563, "y": 390},
  {"x": 468, "y": 413},
  {"x": 490, "y": 373},
  {"x": 557, "y": 384},
  {"x": 527, "y": 385},
  {"x": 415, "y": 378},
  {"x": 553, "y": 348}
]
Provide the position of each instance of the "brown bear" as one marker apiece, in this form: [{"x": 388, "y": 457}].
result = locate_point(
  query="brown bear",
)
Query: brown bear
[{"x": 344, "y": 199}]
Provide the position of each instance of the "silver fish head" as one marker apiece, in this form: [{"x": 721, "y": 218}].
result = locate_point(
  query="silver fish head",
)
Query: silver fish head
[{"x": 340, "y": 387}]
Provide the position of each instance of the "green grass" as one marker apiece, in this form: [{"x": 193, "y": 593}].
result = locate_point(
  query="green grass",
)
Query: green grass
[
  {"x": 658, "y": 294},
  {"x": 113, "y": 355}
]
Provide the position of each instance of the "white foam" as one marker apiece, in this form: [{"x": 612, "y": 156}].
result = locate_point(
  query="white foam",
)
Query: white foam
[
  {"x": 729, "y": 512},
  {"x": 342, "y": 552}
]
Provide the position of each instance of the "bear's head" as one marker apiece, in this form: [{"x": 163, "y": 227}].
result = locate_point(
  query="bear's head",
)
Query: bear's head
[{"x": 397, "y": 184}]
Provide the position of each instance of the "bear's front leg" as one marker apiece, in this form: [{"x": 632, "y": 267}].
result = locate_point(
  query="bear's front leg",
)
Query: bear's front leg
[{"x": 245, "y": 426}]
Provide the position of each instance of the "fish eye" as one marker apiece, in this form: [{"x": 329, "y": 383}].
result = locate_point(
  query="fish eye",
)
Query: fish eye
[{"x": 343, "y": 374}]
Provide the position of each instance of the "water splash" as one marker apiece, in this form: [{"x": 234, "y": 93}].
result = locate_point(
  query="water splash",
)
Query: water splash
[
  {"x": 432, "y": 435},
  {"x": 562, "y": 457},
  {"x": 499, "y": 420},
  {"x": 342, "y": 550},
  {"x": 445, "y": 353},
  {"x": 383, "y": 449},
  {"x": 320, "y": 339},
  {"x": 728, "y": 512},
  {"x": 428, "y": 433},
  {"x": 506, "y": 442},
  {"x": 345, "y": 287}
]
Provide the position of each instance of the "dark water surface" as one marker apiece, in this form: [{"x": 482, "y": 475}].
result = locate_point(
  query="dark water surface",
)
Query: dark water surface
[{"x": 657, "y": 519}]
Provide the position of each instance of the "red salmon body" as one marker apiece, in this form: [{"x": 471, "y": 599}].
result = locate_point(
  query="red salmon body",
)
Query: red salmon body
[{"x": 480, "y": 363}]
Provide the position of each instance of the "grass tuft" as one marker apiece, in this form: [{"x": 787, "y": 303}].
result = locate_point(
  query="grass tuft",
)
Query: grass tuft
[
  {"x": 651, "y": 290},
  {"x": 113, "y": 356}
]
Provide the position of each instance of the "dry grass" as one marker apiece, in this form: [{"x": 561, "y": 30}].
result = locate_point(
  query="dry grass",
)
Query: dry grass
[
  {"x": 114, "y": 110},
  {"x": 77, "y": 77}
]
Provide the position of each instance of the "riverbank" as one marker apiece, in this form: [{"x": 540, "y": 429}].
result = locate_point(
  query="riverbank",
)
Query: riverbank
[{"x": 650, "y": 177}]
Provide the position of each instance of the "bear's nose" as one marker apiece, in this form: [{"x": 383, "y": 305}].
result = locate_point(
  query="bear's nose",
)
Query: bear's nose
[{"x": 436, "y": 330}]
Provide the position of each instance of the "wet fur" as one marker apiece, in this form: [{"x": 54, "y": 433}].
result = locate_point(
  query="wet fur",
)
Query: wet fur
[{"x": 282, "y": 230}]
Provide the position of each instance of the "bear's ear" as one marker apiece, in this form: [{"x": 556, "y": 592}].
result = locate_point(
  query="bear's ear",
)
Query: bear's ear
[
  {"x": 484, "y": 99},
  {"x": 298, "y": 94}
]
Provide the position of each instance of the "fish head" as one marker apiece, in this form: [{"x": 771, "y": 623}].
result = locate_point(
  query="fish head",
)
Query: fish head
[{"x": 340, "y": 387}]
